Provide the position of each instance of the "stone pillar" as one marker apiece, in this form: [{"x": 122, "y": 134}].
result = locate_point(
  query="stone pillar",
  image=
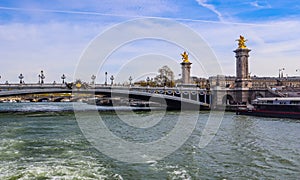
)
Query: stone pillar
[
  {"x": 242, "y": 69},
  {"x": 243, "y": 81},
  {"x": 186, "y": 72}
]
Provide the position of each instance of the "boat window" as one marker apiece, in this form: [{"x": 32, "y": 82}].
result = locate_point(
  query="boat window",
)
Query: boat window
[{"x": 295, "y": 102}]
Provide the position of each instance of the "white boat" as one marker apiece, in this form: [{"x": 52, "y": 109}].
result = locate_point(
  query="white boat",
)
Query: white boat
[{"x": 283, "y": 107}]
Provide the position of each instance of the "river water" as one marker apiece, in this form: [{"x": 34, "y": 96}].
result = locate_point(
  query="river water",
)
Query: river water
[{"x": 44, "y": 141}]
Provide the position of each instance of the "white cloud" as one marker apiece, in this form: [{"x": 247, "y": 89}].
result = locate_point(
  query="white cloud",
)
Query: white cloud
[
  {"x": 274, "y": 45},
  {"x": 116, "y": 8},
  {"x": 144, "y": 49},
  {"x": 211, "y": 7},
  {"x": 261, "y": 4},
  {"x": 56, "y": 46},
  {"x": 52, "y": 47}
]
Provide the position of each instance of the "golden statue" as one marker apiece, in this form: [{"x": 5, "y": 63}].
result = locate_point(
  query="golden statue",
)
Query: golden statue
[
  {"x": 242, "y": 41},
  {"x": 78, "y": 85},
  {"x": 185, "y": 57}
]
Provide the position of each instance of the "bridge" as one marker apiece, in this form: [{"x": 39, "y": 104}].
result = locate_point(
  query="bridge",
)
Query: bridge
[
  {"x": 174, "y": 98},
  {"x": 230, "y": 95}
]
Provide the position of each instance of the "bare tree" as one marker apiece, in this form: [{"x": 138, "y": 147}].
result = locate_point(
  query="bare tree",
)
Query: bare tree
[{"x": 165, "y": 77}]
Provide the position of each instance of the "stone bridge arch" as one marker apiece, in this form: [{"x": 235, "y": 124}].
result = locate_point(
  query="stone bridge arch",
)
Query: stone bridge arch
[
  {"x": 59, "y": 99},
  {"x": 45, "y": 99},
  {"x": 228, "y": 99}
]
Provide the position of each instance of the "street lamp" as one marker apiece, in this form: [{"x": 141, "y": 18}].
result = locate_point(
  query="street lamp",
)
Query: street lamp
[
  {"x": 93, "y": 79},
  {"x": 63, "y": 77},
  {"x": 159, "y": 82},
  {"x": 21, "y": 77},
  {"x": 42, "y": 77},
  {"x": 281, "y": 72},
  {"x": 112, "y": 79},
  {"x": 130, "y": 79},
  {"x": 148, "y": 80},
  {"x": 39, "y": 79},
  {"x": 105, "y": 79}
]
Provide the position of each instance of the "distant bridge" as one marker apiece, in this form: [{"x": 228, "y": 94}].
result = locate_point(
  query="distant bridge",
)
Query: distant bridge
[{"x": 174, "y": 98}]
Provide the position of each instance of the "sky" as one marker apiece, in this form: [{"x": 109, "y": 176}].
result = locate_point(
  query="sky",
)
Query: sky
[{"x": 53, "y": 36}]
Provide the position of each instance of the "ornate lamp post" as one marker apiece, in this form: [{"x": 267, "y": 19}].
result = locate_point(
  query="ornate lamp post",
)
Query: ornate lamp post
[
  {"x": 42, "y": 77},
  {"x": 21, "y": 77},
  {"x": 93, "y": 77},
  {"x": 39, "y": 79},
  {"x": 148, "y": 80},
  {"x": 130, "y": 79},
  {"x": 105, "y": 79},
  {"x": 281, "y": 72},
  {"x": 159, "y": 82},
  {"x": 63, "y": 77},
  {"x": 112, "y": 79}
]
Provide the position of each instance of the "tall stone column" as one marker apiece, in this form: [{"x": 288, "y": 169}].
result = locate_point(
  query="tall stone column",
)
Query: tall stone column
[
  {"x": 242, "y": 69},
  {"x": 186, "y": 69},
  {"x": 243, "y": 81}
]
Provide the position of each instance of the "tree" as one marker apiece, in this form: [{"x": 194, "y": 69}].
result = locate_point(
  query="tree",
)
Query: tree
[{"x": 165, "y": 77}]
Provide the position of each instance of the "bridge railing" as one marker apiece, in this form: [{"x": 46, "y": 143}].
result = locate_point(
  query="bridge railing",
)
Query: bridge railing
[
  {"x": 5, "y": 87},
  {"x": 30, "y": 86},
  {"x": 60, "y": 85}
]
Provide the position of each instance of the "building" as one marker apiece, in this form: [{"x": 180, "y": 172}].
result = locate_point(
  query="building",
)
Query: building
[
  {"x": 242, "y": 88},
  {"x": 257, "y": 82}
]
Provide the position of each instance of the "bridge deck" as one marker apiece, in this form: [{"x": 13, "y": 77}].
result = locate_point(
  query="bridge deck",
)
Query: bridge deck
[{"x": 159, "y": 95}]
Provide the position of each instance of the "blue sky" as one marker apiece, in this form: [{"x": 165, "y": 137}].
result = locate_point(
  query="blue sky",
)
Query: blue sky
[{"x": 52, "y": 35}]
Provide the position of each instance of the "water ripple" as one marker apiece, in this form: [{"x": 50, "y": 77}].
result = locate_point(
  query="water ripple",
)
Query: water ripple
[{"x": 41, "y": 145}]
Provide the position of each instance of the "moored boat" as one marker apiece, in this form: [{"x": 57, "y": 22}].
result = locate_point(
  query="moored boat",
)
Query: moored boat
[{"x": 281, "y": 107}]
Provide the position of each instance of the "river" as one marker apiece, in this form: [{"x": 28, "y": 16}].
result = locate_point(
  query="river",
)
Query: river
[{"x": 44, "y": 141}]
